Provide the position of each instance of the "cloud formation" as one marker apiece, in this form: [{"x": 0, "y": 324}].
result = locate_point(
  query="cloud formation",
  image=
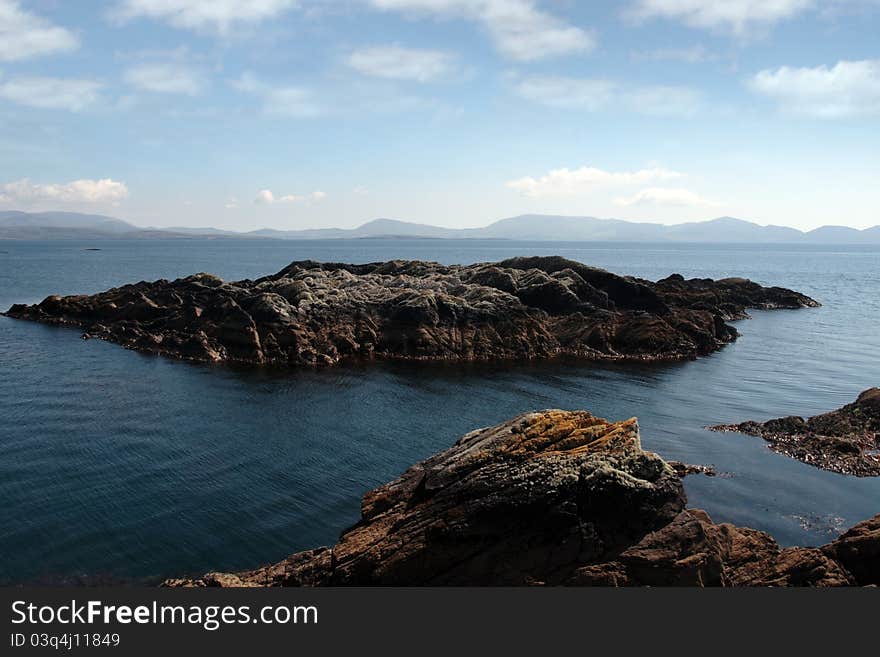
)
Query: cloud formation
[
  {"x": 51, "y": 93},
  {"x": 569, "y": 182},
  {"x": 165, "y": 78},
  {"x": 666, "y": 196},
  {"x": 736, "y": 16},
  {"x": 219, "y": 16},
  {"x": 847, "y": 89},
  {"x": 397, "y": 63},
  {"x": 518, "y": 28},
  {"x": 280, "y": 100},
  {"x": 696, "y": 54},
  {"x": 24, "y": 35},
  {"x": 76, "y": 191},
  {"x": 267, "y": 197},
  {"x": 596, "y": 94},
  {"x": 566, "y": 93}
]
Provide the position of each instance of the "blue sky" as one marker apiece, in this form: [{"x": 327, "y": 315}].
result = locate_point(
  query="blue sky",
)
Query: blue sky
[{"x": 244, "y": 114}]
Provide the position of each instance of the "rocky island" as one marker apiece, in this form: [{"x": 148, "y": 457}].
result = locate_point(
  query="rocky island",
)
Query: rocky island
[
  {"x": 321, "y": 313},
  {"x": 846, "y": 440},
  {"x": 555, "y": 498}
]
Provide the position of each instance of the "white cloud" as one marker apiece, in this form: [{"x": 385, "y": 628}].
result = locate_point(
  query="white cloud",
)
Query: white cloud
[
  {"x": 518, "y": 28},
  {"x": 51, "y": 93},
  {"x": 280, "y": 101},
  {"x": 295, "y": 102},
  {"x": 351, "y": 100},
  {"x": 264, "y": 197},
  {"x": 849, "y": 88},
  {"x": 218, "y": 16},
  {"x": 76, "y": 191},
  {"x": 267, "y": 197},
  {"x": 663, "y": 100},
  {"x": 666, "y": 196},
  {"x": 568, "y": 182},
  {"x": 397, "y": 63},
  {"x": 595, "y": 94},
  {"x": 566, "y": 93},
  {"x": 24, "y": 35},
  {"x": 165, "y": 78},
  {"x": 737, "y": 16},
  {"x": 696, "y": 54}
]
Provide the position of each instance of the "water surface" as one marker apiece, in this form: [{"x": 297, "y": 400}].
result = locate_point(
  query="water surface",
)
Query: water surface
[{"x": 124, "y": 467}]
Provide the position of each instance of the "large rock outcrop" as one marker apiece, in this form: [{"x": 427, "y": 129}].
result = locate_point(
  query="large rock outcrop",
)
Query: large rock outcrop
[
  {"x": 321, "y": 313},
  {"x": 846, "y": 440},
  {"x": 554, "y": 498}
]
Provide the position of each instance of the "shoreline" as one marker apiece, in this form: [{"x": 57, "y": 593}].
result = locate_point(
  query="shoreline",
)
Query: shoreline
[
  {"x": 846, "y": 441},
  {"x": 554, "y": 498},
  {"x": 313, "y": 313}
]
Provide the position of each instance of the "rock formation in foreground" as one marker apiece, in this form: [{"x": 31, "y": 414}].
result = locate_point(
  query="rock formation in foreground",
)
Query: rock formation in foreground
[
  {"x": 321, "y": 313},
  {"x": 555, "y": 498},
  {"x": 846, "y": 440}
]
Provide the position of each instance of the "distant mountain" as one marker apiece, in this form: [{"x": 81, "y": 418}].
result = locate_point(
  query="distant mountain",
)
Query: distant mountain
[
  {"x": 394, "y": 228},
  {"x": 15, "y": 219},
  {"x": 69, "y": 225},
  {"x": 197, "y": 231},
  {"x": 837, "y": 235},
  {"x": 729, "y": 229},
  {"x": 374, "y": 228},
  {"x": 19, "y": 225},
  {"x": 551, "y": 227},
  {"x": 590, "y": 229}
]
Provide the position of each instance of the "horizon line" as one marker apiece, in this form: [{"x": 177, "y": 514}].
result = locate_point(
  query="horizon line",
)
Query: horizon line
[{"x": 461, "y": 229}]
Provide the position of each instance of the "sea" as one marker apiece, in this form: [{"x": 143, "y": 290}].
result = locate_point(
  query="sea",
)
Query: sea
[{"x": 123, "y": 468}]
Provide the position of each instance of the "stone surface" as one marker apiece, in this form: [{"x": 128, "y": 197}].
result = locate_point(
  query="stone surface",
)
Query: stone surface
[
  {"x": 321, "y": 313},
  {"x": 846, "y": 440},
  {"x": 859, "y": 551},
  {"x": 554, "y": 498},
  {"x": 694, "y": 551}
]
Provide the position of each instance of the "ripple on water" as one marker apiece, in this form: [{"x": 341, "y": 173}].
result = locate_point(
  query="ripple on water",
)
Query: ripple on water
[{"x": 130, "y": 466}]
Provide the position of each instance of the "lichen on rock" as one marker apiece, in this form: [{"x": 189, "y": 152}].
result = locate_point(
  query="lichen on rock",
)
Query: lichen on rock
[{"x": 554, "y": 498}]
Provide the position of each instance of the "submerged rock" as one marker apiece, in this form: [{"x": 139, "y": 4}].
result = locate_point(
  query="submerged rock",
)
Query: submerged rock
[
  {"x": 554, "y": 498},
  {"x": 321, "y": 313},
  {"x": 846, "y": 440}
]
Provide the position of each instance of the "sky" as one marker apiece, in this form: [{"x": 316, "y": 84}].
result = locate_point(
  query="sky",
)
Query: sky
[{"x": 289, "y": 114}]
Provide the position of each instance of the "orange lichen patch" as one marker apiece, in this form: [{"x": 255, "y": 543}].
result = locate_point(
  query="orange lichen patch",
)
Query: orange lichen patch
[
  {"x": 621, "y": 434},
  {"x": 553, "y": 432}
]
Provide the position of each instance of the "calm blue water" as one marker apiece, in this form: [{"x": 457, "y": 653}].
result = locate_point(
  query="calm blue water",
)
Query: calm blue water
[{"x": 120, "y": 466}]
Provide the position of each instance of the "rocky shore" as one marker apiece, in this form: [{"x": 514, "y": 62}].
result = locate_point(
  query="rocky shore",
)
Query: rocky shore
[
  {"x": 846, "y": 440},
  {"x": 555, "y": 498},
  {"x": 321, "y": 313}
]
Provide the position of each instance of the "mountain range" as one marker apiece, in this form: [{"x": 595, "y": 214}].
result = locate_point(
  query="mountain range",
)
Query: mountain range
[{"x": 71, "y": 225}]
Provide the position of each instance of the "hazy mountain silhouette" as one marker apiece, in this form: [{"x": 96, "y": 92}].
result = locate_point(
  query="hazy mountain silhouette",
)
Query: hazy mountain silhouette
[
  {"x": 14, "y": 219},
  {"x": 71, "y": 225}
]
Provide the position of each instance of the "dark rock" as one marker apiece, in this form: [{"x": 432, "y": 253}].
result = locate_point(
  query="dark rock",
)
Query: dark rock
[
  {"x": 858, "y": 550},
  {"x": 553, "y": 498},
  {"x": 527, "y": 501},
  {"x": 319, "y": 313},
  {"x": 729, "y": 297},
  {"x": 694, "y": 551},
  {"x": 687, "y": 469},
  {"x": 846, "y": 440}
]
